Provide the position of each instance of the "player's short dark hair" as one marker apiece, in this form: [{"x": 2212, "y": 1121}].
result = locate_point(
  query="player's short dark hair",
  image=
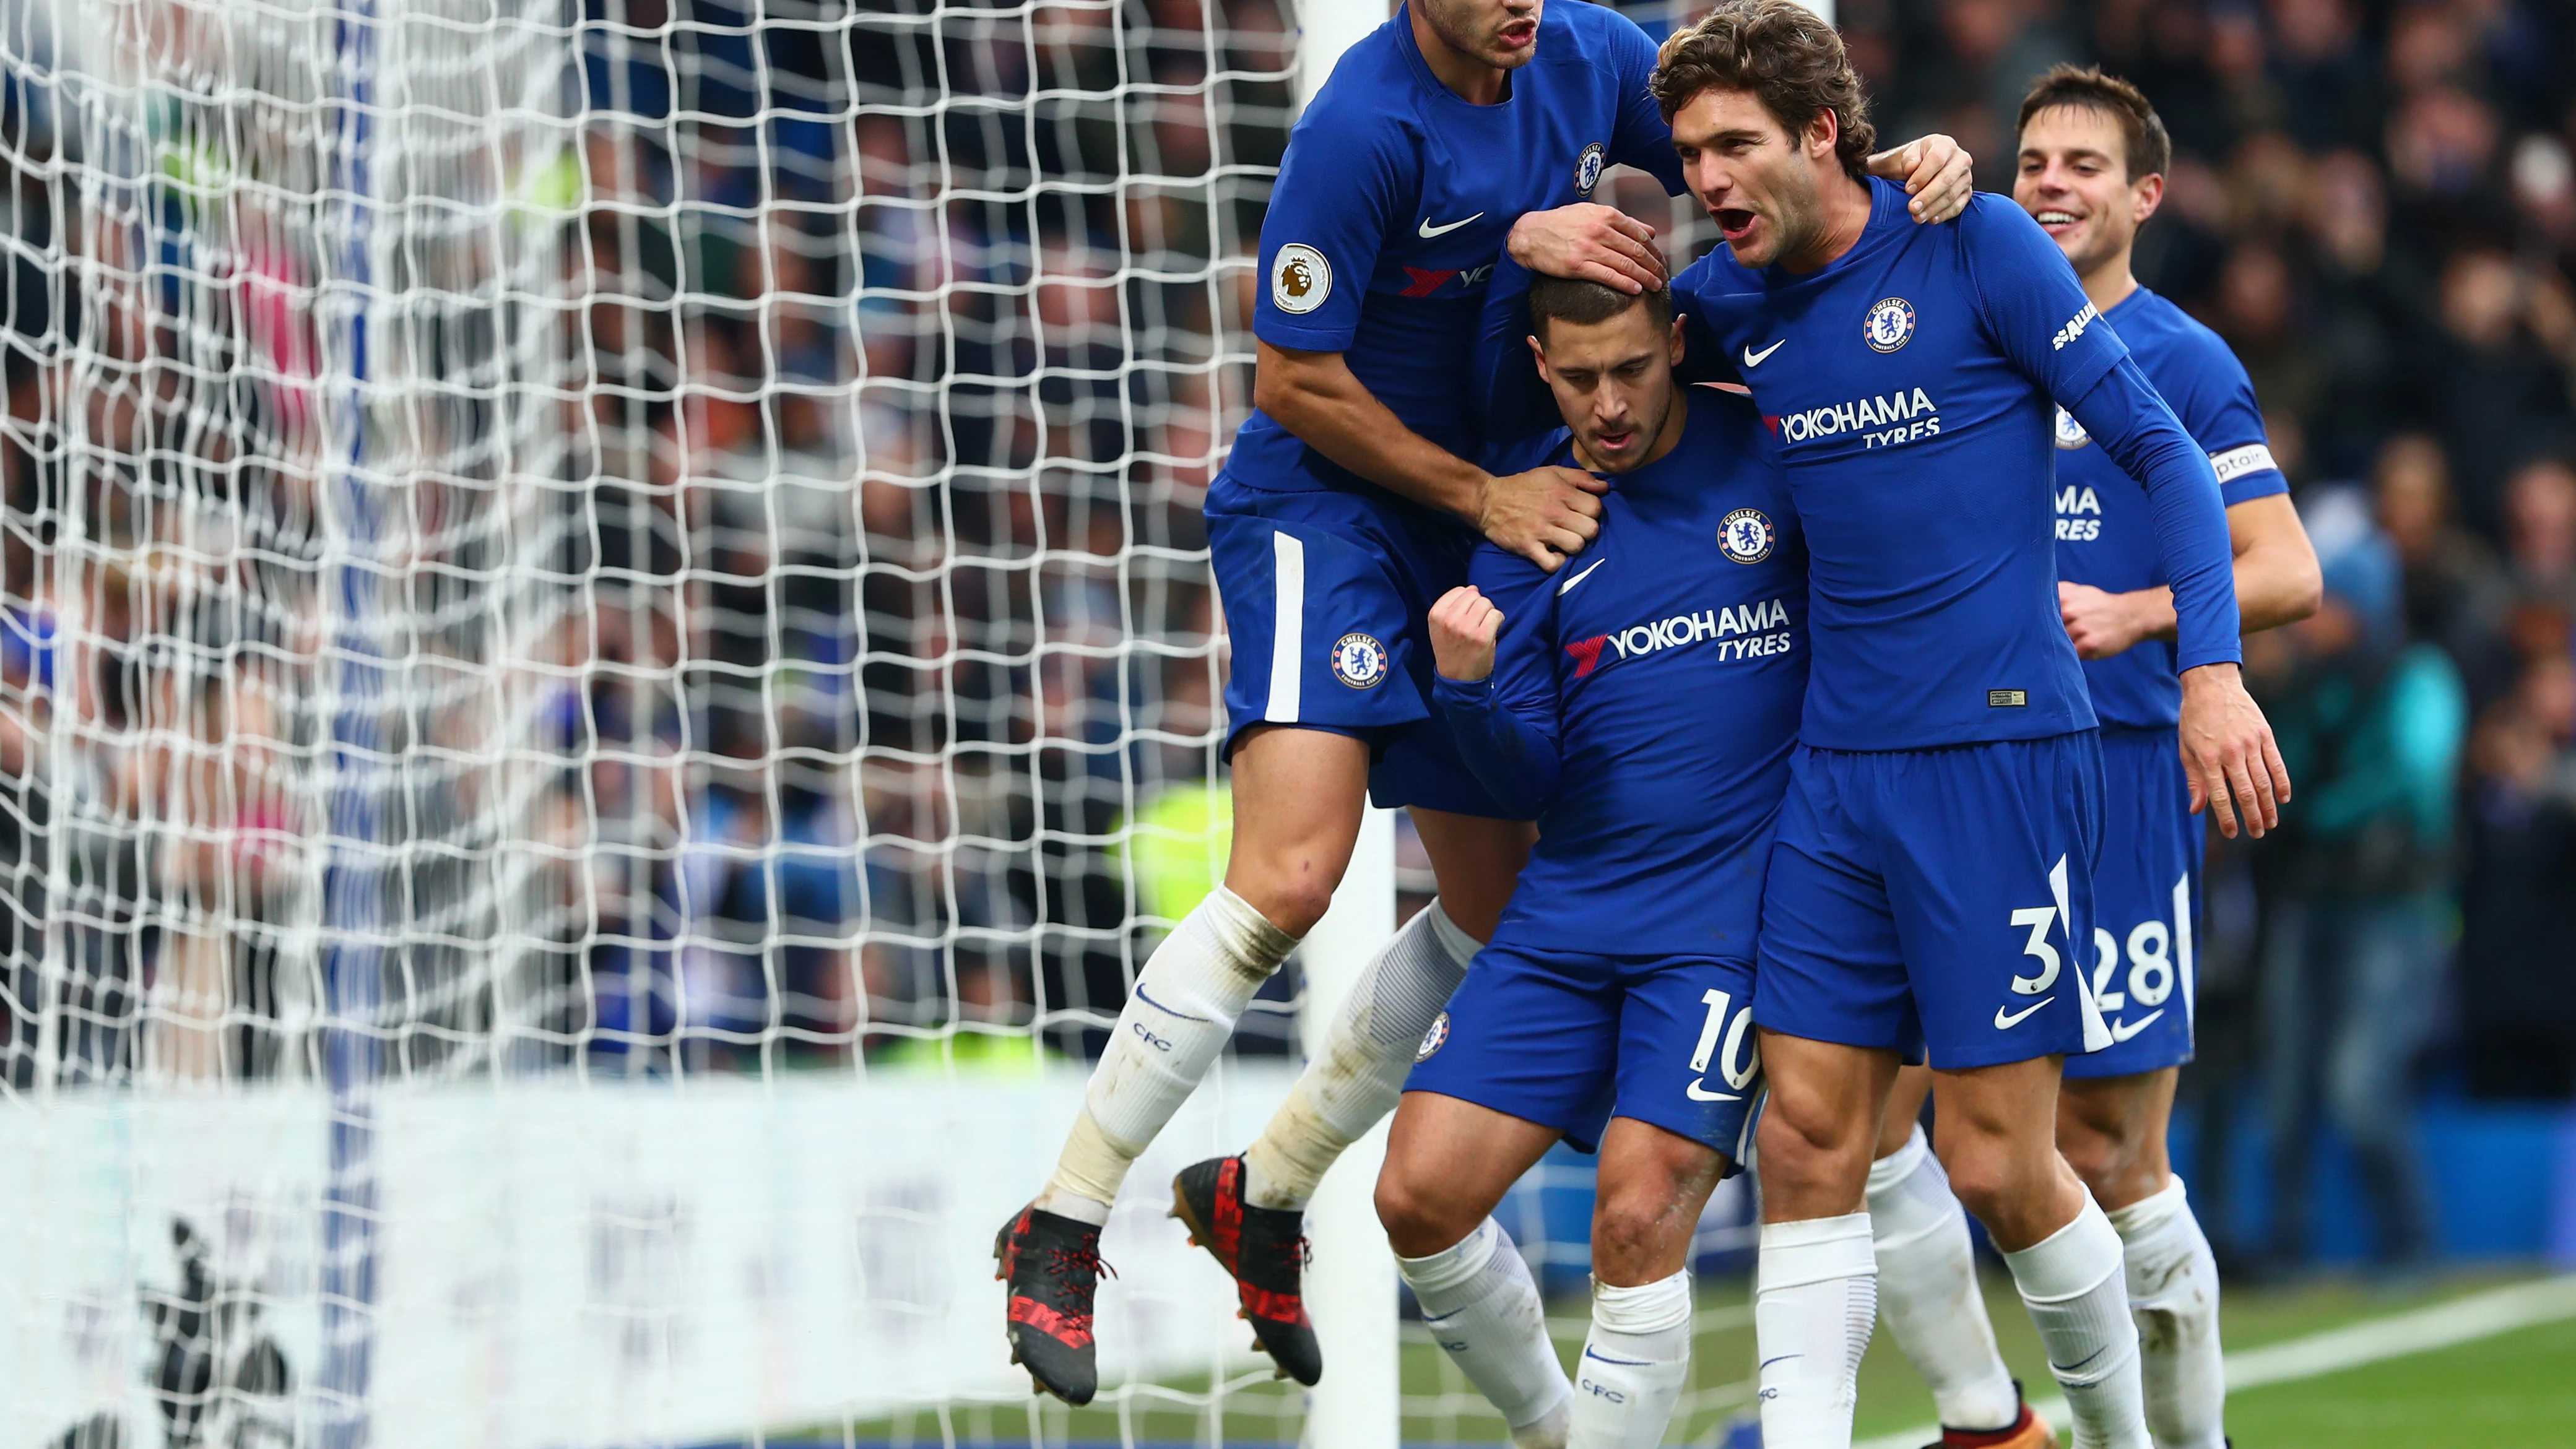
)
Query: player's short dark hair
[
  {"x": 2142, "y": 132},
  {"x": 1784, "y": 55},
  {"x": 1587, "y": 303}
]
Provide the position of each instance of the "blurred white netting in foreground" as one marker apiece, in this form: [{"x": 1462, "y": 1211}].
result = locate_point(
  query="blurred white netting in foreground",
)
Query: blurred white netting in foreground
[{"x": 606, "y": 672}]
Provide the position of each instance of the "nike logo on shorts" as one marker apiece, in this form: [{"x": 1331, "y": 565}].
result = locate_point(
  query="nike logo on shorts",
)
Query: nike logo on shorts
[
  {"x": 2007, "y": 1020},
  {"x": 1699, "y": 1093},
  {"x": 2122, "y": 1031}
]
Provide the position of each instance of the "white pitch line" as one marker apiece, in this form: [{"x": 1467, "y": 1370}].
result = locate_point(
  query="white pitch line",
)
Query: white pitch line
[{"x": 2419, "y": 1330}]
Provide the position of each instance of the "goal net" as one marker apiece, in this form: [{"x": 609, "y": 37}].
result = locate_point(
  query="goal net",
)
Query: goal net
[{"x": 607, "y": 671}]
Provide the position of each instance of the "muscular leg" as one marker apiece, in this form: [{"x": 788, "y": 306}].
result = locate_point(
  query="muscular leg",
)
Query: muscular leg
[
  {"x": 1904, "y": 1115},
  {"x": 1927, "y": 1272},
  {"x": 1653, "y": 1184},
  {"x": 1355, "y": 1079},
  {"x": 1297, "y": 801},
  {"x": 1997, "y": 1140},
  {"x": 1816, "y": 1293},
  {"x": 1476, "y": 861},
  {"x": 1448, "y": 1162},
  {"x": 2112, "y": 1129},
  {"x": 1298, "y": 795}
]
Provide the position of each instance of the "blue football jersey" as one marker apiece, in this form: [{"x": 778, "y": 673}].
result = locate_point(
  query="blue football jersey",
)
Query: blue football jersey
[
  {"x": 1909, "y": 385},
  {"x": 1395, "y": 199},
  {"x": 1645, "y": 697},
  {"x": 2105, "y": 532}
]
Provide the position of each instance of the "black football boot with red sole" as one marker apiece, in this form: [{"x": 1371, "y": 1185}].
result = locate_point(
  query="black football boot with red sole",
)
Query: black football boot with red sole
[
  {"x": 1264, "y": 1249},
  {"x": 1053, "y": 1266}
]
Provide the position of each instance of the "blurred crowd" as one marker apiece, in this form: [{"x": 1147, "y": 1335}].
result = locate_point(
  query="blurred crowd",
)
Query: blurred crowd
[{"x": 875, "y": 690}]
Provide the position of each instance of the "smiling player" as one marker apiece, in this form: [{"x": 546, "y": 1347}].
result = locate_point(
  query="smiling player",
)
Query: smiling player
[
  {"x": 2093, "y": 155},
  {"x": 1933, "y": 870}
]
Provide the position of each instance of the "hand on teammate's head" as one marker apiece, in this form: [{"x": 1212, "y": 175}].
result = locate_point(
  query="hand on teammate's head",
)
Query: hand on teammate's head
[{"x": 1589, "y": 242}]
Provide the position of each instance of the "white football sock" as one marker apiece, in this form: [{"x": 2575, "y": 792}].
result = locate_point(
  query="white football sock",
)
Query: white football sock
[
  {"x": 1483, "y": 1309},
  {"x": 2173, "y": 1294},
  {"x": 1927, "y": 1287},
  {"x": 1367, "y": 1052},
  {"x": 2072, "y": 1284},
  {"x": 1175, "y": 1022},
  {"x": 1815, "y": 1299},
  {"x": 1634, "y": 1365}
]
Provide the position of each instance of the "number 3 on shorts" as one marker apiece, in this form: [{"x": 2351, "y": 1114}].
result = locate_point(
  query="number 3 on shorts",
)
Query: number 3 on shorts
[{"x": 2039, "y": 919}]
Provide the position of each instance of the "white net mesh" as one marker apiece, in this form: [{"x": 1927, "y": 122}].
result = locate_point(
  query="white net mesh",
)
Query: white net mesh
[{"x": 606, "y": 672}]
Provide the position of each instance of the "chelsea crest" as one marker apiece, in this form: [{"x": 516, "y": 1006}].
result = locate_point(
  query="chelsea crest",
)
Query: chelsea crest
[
  {"x": 1359, "y": 660},
  {"x": 1746, "y": 536},
  {"x": 1889, "y": 325},
  {"x": 1587, "y": 171}
]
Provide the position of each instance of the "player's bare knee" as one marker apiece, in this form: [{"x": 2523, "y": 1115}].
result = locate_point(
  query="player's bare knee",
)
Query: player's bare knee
[
  {"x": 1419, "y": 1219},
  {"x": 1643, "y": 1233},
  {"x": 1628, "y": 1241},
  {"x": 1291, "y": 892},
  {"x": 1812, "y": 1148},
  {"x": 1983, "y": 1173},
  {"x": 2105, "y": 1160}
]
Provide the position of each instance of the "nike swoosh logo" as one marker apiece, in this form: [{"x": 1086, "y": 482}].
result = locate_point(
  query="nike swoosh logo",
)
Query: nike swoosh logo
[
  {"x": 2122, "y": 1031},
  {"x": 1776, "y": 1358},
  {"x": 1605, "y": 1358},
  {"x": 2078, "y": 1365},
  {"x": 1754, "y": 359},
  {"x": 1568, "y": 586},
  {"x": 2006, "y": 1021},
  {"x": 1698, "y": 1093},
  {"x": 1427, "y": 231}
]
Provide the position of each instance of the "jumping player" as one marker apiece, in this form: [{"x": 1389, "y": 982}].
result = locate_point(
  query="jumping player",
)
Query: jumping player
[
  {"x": 2093, "y": 155},
  {"x": 1642, "y": 704},
  {"x": 1933, "y": 868},
  {"x": 1351, "y": 501}
]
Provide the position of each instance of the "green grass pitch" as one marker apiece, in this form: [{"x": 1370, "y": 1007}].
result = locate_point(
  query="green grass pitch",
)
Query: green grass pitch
[{"x": 2516, "y": 1390}]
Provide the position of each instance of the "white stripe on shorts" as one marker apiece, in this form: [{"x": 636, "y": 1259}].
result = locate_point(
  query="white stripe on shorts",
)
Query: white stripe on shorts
[{"x": 1287, "y": 626}]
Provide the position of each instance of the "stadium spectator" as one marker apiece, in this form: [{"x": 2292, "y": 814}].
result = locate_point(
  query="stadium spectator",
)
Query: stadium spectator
[
  {"x": 2518, "y": 906},
  {"x": 2371, "y": 726}
]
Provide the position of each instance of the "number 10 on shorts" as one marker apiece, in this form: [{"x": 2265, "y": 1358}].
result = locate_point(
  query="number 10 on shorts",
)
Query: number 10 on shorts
[{"x": 1742, "y": 1055}]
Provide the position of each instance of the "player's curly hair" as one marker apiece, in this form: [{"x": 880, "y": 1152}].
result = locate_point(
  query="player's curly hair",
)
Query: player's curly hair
[
  {"x": 2142, "y": 131},
  {"x": 1780, "y": 52}
]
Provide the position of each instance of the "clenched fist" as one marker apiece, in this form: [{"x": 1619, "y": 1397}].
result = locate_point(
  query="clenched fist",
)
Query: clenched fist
[{"x": 1464, "y": 625}]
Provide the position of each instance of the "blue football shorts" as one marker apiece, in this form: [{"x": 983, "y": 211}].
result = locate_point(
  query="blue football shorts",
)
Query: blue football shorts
[
  {"x": 2146, "y": 899},
  {"x": 1569, "y": 1040},
  {"x": 1923, "y": 901},
  {"x": 1325, "y": 594}
]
